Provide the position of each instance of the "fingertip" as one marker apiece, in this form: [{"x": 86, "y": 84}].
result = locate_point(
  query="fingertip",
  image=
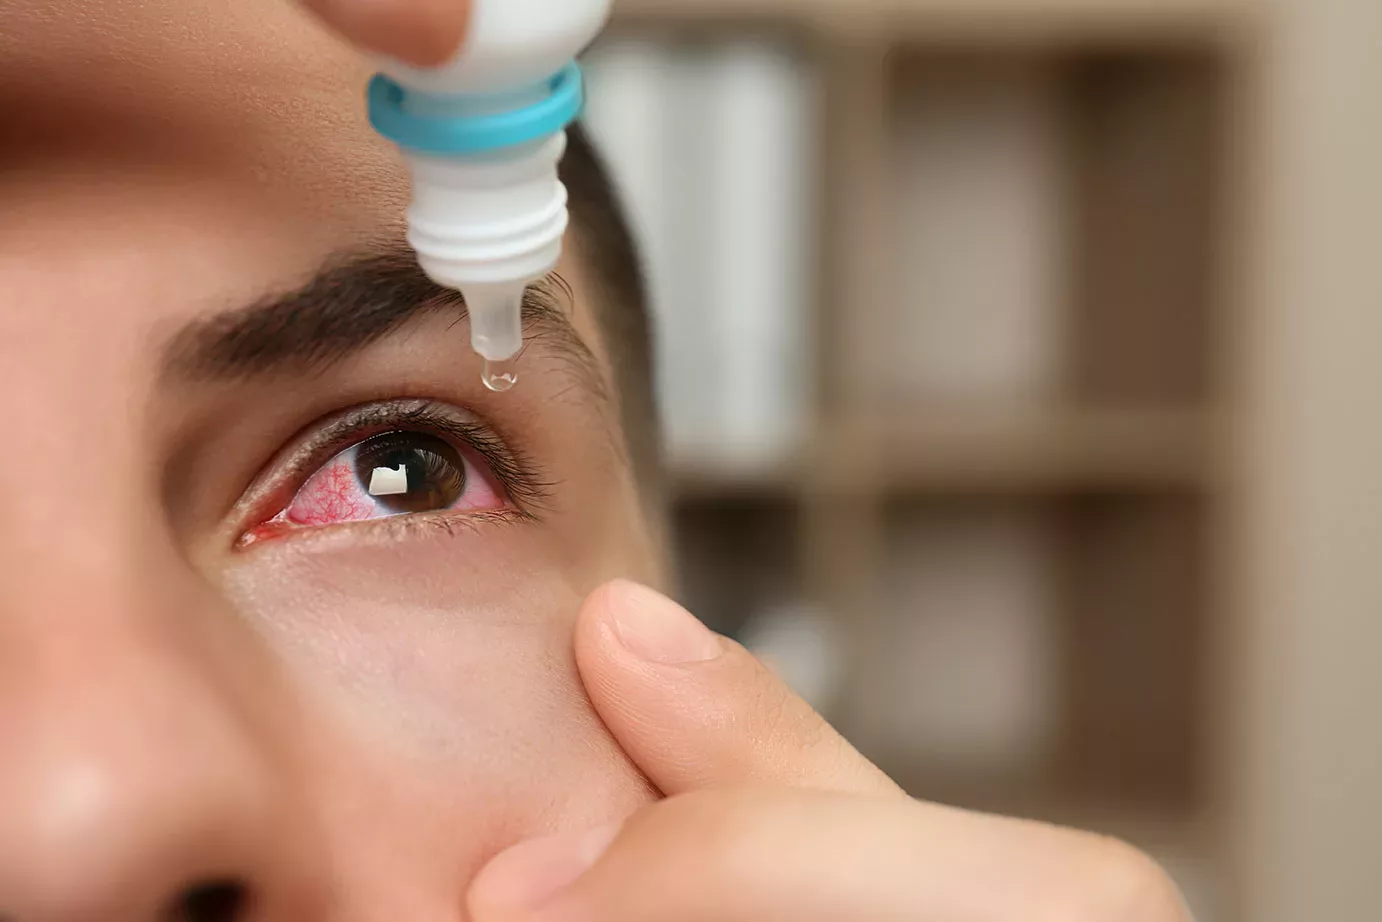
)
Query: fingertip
[
  {"x": 648, "y": 629},
  {"x": 594, "y": 630},
  {"x": 424, "y": 33},
  {"x": 694, "y": 709},
  {"x": 612, "y": 593},
  {"x": 596, "y": 634},
  {"x": 600, "y": 603}
]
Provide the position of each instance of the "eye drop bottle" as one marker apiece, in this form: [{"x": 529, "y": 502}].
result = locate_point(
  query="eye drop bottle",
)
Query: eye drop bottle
[{"x": 483, "y": 135}]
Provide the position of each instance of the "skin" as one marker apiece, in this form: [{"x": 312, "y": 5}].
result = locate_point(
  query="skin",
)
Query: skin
[
  {"x": 369, "y": 721},
  {"x": 351, "y": 721}
]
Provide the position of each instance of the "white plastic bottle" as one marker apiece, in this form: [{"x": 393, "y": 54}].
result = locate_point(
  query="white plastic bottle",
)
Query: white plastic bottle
[{"x": 483, "y": 135}]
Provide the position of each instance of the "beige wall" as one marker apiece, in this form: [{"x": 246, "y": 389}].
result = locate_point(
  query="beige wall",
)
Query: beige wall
[{"x": 1309, "y": 779}]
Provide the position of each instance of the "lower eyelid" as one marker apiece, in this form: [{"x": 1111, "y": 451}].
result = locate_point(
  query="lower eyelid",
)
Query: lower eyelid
[{"x": 451, "y": 523}]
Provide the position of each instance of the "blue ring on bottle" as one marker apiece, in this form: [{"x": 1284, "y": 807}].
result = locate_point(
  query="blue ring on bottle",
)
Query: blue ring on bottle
[{"x": 475, "y": 134}]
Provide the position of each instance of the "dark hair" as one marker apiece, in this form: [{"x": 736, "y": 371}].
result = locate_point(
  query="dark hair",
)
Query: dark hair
[{"x": 607, "y": 244}]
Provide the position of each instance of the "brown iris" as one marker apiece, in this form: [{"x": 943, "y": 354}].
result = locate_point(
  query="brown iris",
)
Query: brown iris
[{"x": 435, "y": 470}]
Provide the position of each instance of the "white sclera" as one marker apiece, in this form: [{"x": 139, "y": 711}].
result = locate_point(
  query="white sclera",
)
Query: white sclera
[{"x": 386, "y": 481}]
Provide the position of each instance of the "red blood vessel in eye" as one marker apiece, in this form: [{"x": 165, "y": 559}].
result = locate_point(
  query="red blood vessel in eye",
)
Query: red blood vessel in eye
[{"x": 336, "y": 497}]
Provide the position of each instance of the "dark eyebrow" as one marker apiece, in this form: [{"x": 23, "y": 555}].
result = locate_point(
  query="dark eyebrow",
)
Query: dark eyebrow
[{"x": 353, "y": 302}]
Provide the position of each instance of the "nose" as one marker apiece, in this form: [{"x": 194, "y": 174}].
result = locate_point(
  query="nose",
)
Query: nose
[{"x": 146, "y": 763}]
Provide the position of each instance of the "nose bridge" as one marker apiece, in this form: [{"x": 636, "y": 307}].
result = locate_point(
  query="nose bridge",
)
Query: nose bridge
[
  {"x": 84, "y": 547},
  {"x": 149, "y": 744},
  {"x": 145, "y": 747}
]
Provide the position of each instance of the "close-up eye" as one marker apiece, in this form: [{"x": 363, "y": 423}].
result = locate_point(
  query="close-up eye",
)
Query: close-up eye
[{"x": 398, "y": 471}]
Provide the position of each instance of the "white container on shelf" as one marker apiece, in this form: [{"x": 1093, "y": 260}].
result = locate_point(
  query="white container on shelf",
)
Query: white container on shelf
[
  {"x": 629, "y": 114},
  {"x": 643, "y": 95},
  {"x": 713, "y": 147},
  {"x": 762, "y": 166},
  {"x": 688, "y": 352}
]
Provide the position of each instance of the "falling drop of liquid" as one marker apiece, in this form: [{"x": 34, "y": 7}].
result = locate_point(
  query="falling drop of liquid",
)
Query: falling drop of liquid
[{"x": 499, "y": 376}]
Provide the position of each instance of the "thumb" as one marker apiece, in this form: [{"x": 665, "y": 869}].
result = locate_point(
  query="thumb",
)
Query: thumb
[
  {"x": 695, "y": 710},
  {"x": 425, "y": 33}
]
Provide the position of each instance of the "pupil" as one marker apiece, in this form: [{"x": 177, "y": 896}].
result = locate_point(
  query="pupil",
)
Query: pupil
[{"x": 435, "y": 471}]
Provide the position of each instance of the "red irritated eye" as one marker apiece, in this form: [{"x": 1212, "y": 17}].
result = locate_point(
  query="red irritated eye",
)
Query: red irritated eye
[{"x": 398, "y": 473}]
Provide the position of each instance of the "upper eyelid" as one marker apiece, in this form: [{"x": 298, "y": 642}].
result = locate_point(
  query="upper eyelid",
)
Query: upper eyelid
[{"x": 324, "y": 441}]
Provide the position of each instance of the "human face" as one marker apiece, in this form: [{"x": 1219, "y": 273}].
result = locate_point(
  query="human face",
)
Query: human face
[{"x": 220, "y": 663}]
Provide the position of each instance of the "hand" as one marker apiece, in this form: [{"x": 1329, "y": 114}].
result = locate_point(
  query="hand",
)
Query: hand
[
  {"x": 772, "y": 816},
  {"x": 421, "y": 32}
]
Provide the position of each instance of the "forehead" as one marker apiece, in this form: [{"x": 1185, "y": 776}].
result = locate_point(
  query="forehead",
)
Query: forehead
[
  {"x": 214, "y": 136},
  {"x": 248, "y": 92}
]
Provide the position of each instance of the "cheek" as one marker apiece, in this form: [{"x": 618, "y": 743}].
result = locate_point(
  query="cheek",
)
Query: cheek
[{"x": 460, "y": 722}]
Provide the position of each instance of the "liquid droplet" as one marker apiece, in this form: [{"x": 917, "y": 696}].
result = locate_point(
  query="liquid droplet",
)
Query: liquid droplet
[{"x": 500, "y": 376}]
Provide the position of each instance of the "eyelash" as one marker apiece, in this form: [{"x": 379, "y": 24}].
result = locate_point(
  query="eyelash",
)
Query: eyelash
[{"x": 525, "y": 491}]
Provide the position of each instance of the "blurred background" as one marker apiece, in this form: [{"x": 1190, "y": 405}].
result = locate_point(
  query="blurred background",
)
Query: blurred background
[{"x": 1015, "y": 356}]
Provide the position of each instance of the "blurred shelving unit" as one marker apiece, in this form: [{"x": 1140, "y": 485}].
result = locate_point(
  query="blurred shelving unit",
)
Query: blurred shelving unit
[
  {"x": 1014, "y": 454},
  {"x": 982, "y": 20},
  {"x": 1002, "y": 544}
]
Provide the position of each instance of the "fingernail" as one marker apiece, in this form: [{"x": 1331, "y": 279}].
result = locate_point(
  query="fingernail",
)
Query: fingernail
[
  {"x": 532, "y": 873},
  {"x": 655, "y": 628}
]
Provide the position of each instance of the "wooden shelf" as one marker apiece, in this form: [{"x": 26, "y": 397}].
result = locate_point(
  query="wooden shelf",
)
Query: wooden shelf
[
  {"x": 954, "y": 451},
  {"x": 705, "y": 480},
  {"x": 949, "y": 452},
  {"x": 1047, "y": 801},
  {"x": 1040, "y": 20}
]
